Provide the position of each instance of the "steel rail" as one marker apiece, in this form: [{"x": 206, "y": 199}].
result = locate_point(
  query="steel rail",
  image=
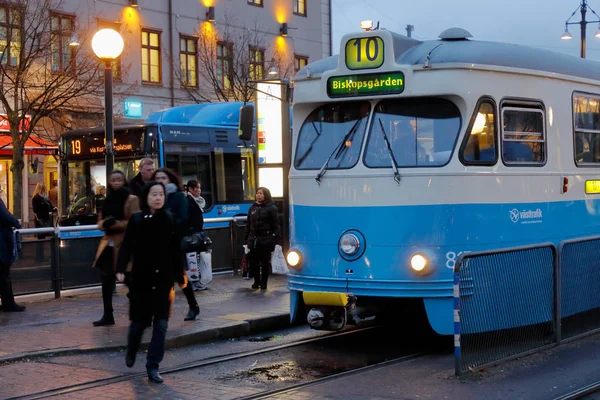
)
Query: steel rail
[{"x": 182, "y": 367}]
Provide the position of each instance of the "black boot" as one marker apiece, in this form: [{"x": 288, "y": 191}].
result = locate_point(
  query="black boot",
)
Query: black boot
[
  {"x": 106, "y": 320},
  {"x": 154, "y": 376},
  {"x": 192, "y": 313},
  {"x": 13, "y": 308}
]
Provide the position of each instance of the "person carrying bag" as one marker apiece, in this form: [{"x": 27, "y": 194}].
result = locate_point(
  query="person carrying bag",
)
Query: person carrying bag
[
  {"x": 262, "y": 234},
  {"x": 196, "y": 243}
]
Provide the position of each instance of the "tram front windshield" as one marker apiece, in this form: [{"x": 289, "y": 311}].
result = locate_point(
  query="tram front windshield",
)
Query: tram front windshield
[{"x": 325, "y": 129}]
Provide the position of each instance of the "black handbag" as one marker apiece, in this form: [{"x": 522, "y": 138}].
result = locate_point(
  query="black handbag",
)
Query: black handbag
[{"x": 197, "y": 241}]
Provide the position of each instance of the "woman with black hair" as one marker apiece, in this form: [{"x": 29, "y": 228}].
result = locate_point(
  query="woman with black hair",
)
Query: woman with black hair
[
  {"x": 262, "y": 234},
  {"x": 177, "y": 204},
  {"x": 152, "y": 243},
  {"x": 196, "y": 204},
  {"x": 113, "y": 219}
]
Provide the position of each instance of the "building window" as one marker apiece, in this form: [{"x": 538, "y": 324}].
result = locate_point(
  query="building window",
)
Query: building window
[
  {"x": 10, "y": 35},
  {"x": 62, "y": 52},
  {"x": 116, "y": 64},
  {"x": 151, "y": 56},
  {"x": 300, "y": 7},
  {"x": 300, "y": 62},
  {"x": 258, "y": 3},
  {"x": 225, "y": 65},
  {"x": 257, "y": 63},
  {"x": 523, "y": 134},
  {"x": 188, "y": 55}
]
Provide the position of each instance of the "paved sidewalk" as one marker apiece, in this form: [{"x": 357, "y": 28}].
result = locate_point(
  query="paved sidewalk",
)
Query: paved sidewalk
[{"x": 229, "y": 308}]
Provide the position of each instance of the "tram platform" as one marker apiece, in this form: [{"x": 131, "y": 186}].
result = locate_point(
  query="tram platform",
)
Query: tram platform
[{"x": 229, "y": 308}]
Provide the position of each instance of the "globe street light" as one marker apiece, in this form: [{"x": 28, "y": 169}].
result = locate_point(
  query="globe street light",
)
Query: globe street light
[{"x": 108, "y": 45}]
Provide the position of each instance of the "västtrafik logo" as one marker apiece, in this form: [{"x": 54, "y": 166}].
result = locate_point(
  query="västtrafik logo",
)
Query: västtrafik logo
[{"x": 526, "y": 216}]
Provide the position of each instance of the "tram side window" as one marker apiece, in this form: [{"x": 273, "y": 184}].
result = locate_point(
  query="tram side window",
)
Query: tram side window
[
  {"x": 523, "y": 135},
  {"x": 586, "y": 111},
  {"x": 480, "y": 148}
]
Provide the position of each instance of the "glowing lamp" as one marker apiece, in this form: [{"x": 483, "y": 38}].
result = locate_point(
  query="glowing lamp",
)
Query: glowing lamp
[{"x": 107, "y": 44}]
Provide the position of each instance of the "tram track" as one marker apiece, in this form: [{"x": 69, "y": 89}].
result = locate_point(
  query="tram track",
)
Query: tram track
[
  {"x": 333, "y": 377},
  {"x": 218, "y": 360},
  {"x": 581, "y": 392}
]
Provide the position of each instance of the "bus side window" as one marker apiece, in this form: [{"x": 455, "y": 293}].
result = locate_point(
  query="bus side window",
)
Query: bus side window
[{"x": 480, "y": 147}]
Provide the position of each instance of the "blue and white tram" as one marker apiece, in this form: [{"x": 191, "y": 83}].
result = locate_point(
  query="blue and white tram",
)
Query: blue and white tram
[{"x": 408, "y": 153}]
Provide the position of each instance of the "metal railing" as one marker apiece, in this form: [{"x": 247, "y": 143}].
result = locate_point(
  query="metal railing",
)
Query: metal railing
[
  {"x": 61, "y": 258},
  {"x": 513, "y": 302}
]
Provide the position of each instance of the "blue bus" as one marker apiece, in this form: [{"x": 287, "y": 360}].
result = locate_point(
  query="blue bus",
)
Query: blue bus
[{"x": 198, "y": 141}]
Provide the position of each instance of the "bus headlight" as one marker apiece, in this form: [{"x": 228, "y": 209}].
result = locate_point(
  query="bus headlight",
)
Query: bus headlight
[
  {"x": 418, "y": 262},
  {"x": 293, "y": 258},
  {"x": 349, "y": 244}
]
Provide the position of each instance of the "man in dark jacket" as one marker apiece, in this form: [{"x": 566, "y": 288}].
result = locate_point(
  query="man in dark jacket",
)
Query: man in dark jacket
[
  {"x": 146, "y": 168},
  {"x": 7, "y": 223}
]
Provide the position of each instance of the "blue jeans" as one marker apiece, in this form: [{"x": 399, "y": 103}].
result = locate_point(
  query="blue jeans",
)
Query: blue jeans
[{"x": 156, "y": 350}]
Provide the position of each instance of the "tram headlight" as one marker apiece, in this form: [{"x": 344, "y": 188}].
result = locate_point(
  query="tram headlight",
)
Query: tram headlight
[
  {"x": 418, "y": 262},
  {"x": 294, "y": 258},
  {"x": 349, "y": 244}
]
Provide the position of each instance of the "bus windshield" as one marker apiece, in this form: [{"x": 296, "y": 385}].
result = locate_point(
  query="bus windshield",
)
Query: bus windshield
[
  {"x": 422, "y": 132},
  {"x": 323, "y": 131},
  {"x": 83, "y": 181},
  {"x": 86, "y": 188}
]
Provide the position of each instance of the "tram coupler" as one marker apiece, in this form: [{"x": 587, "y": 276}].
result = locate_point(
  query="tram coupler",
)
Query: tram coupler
[{"x": 329, "y": 311}]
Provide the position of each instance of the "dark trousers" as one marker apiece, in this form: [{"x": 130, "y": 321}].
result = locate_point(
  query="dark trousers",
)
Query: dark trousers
[
  {"x": 6, "y": 292},
  {"x": 108, "y": 286},
  {"x": 260, "y": 264},
  {"x": 105, "y": 263},
  {"x": 189, "y": 295},
  {"x": 156, "y": 350}
]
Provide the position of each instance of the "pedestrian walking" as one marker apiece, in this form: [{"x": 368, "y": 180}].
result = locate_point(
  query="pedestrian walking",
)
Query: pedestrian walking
[
  {"x": 151, "y": 242},
  {"x": 262, "y": 234},
  {"x": 113, "y": 219},
  {"x": 196, "y": 204},
  {"x": 7, "y": 249},
  {"x": 42, "y": 212},
  {"x": 177, "y": 204}
]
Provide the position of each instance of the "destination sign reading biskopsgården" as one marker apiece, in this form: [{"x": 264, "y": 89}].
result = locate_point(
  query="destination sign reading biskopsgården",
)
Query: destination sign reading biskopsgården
[{"x": 365, "y": 85}]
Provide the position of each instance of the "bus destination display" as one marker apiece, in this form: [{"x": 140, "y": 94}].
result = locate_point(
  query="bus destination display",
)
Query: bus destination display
[
  {"x": 365, "y": 85},
  {"x": 90, "y": 146}
]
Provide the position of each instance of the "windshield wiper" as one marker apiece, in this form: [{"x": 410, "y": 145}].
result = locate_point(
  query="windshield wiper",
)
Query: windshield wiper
[
  {"x": 390, "y": 152},
  {"x": 300, "y": 160},
  {"x": 323, "y": 169}
]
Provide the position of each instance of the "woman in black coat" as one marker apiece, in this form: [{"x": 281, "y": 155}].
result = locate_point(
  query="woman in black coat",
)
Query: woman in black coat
[
  {"x": 177, "y": 204},
  {"x": 151, "y": 242},
  {"x": 262, "y": 234},
  {"x": 196, "y": 206}
]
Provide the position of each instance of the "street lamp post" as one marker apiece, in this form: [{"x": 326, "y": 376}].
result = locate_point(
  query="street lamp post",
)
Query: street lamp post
[
  {"x": 108, "y": 45},
  {"x": 583, "y": 7}
]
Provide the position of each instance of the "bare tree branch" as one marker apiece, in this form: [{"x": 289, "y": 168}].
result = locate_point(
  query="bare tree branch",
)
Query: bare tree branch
[{"x": 224, "y": 75}]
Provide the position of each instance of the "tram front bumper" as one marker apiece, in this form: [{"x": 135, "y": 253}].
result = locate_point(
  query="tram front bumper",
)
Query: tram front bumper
[{"x": 328, "y": 310}]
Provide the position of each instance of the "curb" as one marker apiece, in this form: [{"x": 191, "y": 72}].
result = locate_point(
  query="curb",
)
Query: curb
[{"x": 235, "y": 330}]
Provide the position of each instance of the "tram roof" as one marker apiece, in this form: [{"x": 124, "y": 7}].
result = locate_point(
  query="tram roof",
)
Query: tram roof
[{"x": 414, "y": 52}]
